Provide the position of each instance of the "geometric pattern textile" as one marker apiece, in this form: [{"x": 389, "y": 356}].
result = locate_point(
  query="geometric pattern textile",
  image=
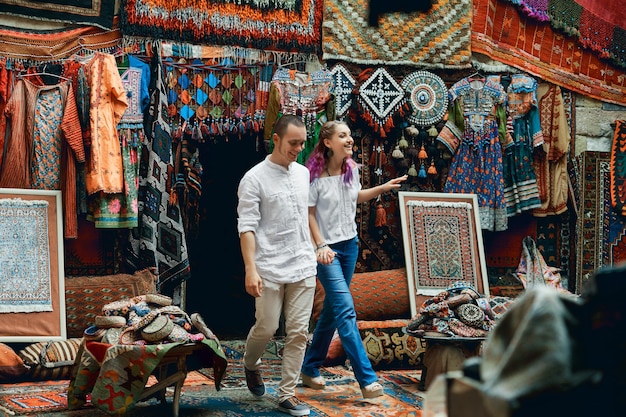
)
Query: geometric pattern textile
[
  {"x": 442, "y": 243},
  {"x": 379, "y": 97},
  {"x": 439, "y": 38},
  {"x": 281, "y": 25},
  {"x": 500, "y": 32},
  {"x": 618, "y": 168},
  {"x": 428, "y": 96},
  {"x": 25, "y": 275},
  {"x": 83, "y": 12},
  {"x": 344, "y": 86}
]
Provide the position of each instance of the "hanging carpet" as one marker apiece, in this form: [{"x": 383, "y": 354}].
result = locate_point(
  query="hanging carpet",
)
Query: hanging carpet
[
  {"x": 82, "y": 12},
  {"x": 598, "y": 25},
  {"x": 439, "y": 38},
  {"x": 287, "y": 26},
  {"x": 503, "y": 34},
  {"x": 618, "y": 168}
]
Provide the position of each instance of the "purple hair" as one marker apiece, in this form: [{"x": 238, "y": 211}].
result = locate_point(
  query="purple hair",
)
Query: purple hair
[{"x": 319, "y": 155}]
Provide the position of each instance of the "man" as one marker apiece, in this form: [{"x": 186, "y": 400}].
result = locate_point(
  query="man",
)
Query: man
[{"x": 279, "y": 258}]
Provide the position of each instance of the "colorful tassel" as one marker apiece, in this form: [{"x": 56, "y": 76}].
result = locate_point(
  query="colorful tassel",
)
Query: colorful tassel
[
  {"x": 412, "y": 171},
  {"x": 397, "y": 153},
  {"x": 403, "y": 143},
  {"x": 422, "y": 154},
  {"x": 422, "y": 173},
  {"x": 432, "y": 169}
]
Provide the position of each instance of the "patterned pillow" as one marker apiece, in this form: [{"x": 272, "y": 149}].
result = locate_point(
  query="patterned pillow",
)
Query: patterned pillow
[
  {"x": 50, "y": 360},
  {"x": 387, "y": 346},
  {"x": 378, "y": 295},
  {"x": 85, "y": 296},
  {"x": 12, "y": 367}
]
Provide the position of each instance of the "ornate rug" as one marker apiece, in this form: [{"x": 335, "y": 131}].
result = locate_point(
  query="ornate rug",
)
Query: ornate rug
[
  {"x": 618, "y": 168},
  {"x": 82, "y": 12},
  {"x": 439, "y": 38},
  {"x": 601, "y": 237},
  {"x": 502, "y": 33},
  {"x": 199, "y": 397},
  {"x": 25, "y": 276},
  {"x": 280, "y": 25}
]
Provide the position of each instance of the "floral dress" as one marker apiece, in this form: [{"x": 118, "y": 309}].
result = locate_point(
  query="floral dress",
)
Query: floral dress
[{"x": 473, "y": 133}]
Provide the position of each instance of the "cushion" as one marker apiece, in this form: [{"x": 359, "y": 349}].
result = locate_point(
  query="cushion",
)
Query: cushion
[
  {"x": 379, "y": 295},
  {"x": 85, "y": 296},
  {"x": 12, "y": 367},
  {"x": 387, "y": 346},
  {"x": 50, "y": 360}
]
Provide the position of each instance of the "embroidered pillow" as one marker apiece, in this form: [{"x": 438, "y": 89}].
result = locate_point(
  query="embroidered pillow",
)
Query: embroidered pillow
[{"x": 50, "y": 360}]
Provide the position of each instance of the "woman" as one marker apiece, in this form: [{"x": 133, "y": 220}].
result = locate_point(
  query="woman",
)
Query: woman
[{"x": 334, "y": 194}]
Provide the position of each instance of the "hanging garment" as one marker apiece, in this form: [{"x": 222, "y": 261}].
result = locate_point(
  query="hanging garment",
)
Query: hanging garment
[
  {"x": 45, "y": 143},
  {"x": 550, "y": 160},
  {"x": 306, "y": 94},
  {"x": 521, "y": 192},
  {"x": 533, "y": 269},
  {"x": 160, "y": 239},
  {"x": 473, "y": 133},
  {"x": 108, "y": 102}
]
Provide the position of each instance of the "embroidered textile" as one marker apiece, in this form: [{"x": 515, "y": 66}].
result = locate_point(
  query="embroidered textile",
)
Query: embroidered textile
[
  {"x": 473, "y": 135},
  {"x": 379, "y": 97},
  {"x": 442, "y": 242},
  {"x": 83, "y": 12},
  {"x": 618, "y": 168},
  {"x": 501, "y": 33},
  {"x": 550, "y": 160},
  {"x": 289, "y": 26},
  {"x": 599, "y": 26},
  {"x": 308, "y": 94},
  {"x": 25, "y": 276},
  {"x": 344, "y": 89},
  {"x": 428, "y": 96},
  {"x": 521, "y": 192},
  {"x": 159, "y": 241},
  {"x": 437, "y": 39}
]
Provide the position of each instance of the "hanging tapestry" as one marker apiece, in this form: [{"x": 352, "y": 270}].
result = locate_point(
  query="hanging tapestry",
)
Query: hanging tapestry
[
  {"x": 601, "y": 232},
  {"x": 618, "y": 168},
  {"x": 344, "y": 89},
  {"x": 503, "y": 34},
  {"x": 82, "y": 12},
  {"x": 286, "y": 26},
  {"x": 598, "y": 25},
  {"x": 439, "y": 38},
  {"x": 379, "y": 97},
  {"x": 25, "y": 280},
  {"x": 160, "y": 240},
  {"x": 428, "y": 97}
]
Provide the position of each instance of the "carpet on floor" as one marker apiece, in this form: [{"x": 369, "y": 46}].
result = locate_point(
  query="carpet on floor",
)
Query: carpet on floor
[{"x": 342, "y": 396}]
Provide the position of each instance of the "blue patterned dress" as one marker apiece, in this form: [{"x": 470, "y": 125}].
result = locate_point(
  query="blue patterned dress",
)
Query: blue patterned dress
[{"x": 473, "y": 132}]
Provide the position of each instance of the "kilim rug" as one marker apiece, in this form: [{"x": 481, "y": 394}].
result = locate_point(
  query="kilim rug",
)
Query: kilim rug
[
  {"x": 280, "y": 25},
  {"x": 439, "y": 38},
  {"x": 599, "y": 26},
  {"x": 82, "y": 12},
  {"x": 502, "y": 33},
  {"x": 199, "y": 397},
  {"x": 601, "y": 232}
]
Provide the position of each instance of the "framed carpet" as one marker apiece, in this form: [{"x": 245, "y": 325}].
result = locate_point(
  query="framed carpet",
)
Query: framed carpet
[
  {"x": 442, "y": 242},
  {"x": 82, "y": 12},
  {"x": 32, "y": 301}
]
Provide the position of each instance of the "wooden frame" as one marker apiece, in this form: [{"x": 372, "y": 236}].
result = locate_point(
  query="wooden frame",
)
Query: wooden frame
[
  {"x": 38, "y": 326},
  {"x": 442, "y": 243}
]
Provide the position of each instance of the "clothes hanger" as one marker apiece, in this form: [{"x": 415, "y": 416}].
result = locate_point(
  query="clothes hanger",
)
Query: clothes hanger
[{"x": 45, "y": 73}]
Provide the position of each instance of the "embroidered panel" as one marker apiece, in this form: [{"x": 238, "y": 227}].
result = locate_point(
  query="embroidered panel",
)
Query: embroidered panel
[
  {"x": 437, "y": 39},
  {"x": 286, "y": 26},
  {"x": 25, "y": 276}
]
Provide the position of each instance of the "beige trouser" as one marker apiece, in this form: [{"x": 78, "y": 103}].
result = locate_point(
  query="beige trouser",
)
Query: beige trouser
[{"x": 295, "y": 301}]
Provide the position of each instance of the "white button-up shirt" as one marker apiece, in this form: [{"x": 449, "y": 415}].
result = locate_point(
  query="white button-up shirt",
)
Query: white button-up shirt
[{"x": 273, "y": 203}]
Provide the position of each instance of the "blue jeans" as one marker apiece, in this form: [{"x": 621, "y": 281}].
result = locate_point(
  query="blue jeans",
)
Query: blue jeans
[{"x": 338, "y": 313}]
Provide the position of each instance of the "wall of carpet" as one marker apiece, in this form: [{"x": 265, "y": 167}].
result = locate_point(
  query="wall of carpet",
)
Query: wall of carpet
[{"x": 206, "y": 91}]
